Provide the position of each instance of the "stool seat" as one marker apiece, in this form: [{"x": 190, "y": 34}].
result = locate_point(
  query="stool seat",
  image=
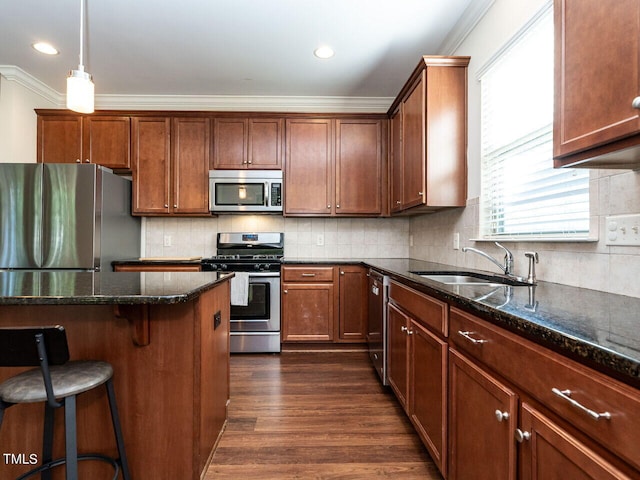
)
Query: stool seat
[{"x": 71, "y": 378}]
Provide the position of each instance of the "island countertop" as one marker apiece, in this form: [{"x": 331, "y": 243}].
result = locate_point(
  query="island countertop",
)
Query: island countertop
[{"x": 64, "y": 287}]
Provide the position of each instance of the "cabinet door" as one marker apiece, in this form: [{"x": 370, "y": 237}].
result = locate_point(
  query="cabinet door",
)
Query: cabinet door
[
  {"x": 397, "y": 356},
  {"x": 481, "y": 441},
  {"x": 151, "y": 162},
  {"x": 230, "y": 143},
  {"x": 190, "y": 140},
  {"x": 353, "y": 304},
  {"x": 597, "y": 73},
  {"x": 107, "y": 141},
  {"x": 265, "y": 143},
  {"x": 413, "y": 135},
  {"x": 309, "y": 167},
  {"x": 59, "y": 138},
  {"x": 550, "y": 453},
  {"x": 358, "y": 167},
  {"x": 428, "y": 391},
  {"x": 395, "y": 155},
  {"x": 308, "y": 312}
]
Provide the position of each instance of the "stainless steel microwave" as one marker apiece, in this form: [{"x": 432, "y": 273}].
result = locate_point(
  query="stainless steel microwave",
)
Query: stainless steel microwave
[{"x": 245, "y": 191}]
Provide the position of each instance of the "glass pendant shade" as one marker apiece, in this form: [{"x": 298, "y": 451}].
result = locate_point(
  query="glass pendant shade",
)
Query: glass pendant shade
[{"x": 80, "y": 92}]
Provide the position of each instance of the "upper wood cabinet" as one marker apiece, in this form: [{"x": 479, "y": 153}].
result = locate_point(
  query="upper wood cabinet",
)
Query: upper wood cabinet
[
  {"x": 99, "y": 139},
  {"x": 170, "y": 165},
  {"x": 240, "y": 143},
  {"x": 429, "y": 137},
  {"x": 395, "y": 159},
  {"x": 597, "y": 83},
  {"x": 334, "y": 166}
]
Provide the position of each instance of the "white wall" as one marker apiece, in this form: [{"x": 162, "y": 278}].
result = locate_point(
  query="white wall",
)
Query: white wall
[
  {"x": 18, "y": 121},
  {"x": 612, "y": 192}
]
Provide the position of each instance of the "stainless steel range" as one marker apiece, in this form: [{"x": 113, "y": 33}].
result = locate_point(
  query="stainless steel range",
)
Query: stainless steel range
[{"x": 255, "y": 307}]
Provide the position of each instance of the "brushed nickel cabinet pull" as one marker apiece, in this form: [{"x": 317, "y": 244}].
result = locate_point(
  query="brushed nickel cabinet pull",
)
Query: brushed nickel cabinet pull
[
  {"x": 468, "y": 336},
  {"x": 566, "y": 395},
  {"x": 308, "y": 275},
  {"x": 636, "y": 103}
]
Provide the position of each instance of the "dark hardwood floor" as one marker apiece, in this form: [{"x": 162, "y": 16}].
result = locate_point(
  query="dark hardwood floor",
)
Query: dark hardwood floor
[{"x": 315, "y": 415}]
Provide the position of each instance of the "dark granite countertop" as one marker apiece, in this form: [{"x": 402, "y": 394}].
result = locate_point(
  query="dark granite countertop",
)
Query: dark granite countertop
[
  {"x": 63, "y": 287},
  {"x": 596, "y": 328},
  {"x": 159, "y": 261}
]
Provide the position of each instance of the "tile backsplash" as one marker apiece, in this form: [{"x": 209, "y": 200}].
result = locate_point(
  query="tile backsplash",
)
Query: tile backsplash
[
  {"x": 341, "y": 237},
  {"x": 592, "y": 265}
]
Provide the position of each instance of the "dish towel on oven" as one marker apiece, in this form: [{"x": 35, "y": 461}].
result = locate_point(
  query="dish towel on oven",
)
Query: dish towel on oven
[{"x": 240, "y": 289}]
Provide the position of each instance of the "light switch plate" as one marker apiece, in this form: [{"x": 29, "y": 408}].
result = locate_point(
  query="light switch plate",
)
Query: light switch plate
[
  {"x": 623, "y": 230},
  {"x": 456, "y": 241},
  {"x": 320, "y": 239}
]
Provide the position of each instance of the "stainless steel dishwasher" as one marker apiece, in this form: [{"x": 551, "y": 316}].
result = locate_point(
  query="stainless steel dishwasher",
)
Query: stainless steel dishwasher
[{"x": 377, "y": 329}]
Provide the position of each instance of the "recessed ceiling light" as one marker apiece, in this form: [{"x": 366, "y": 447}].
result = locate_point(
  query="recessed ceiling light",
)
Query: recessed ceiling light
[
  {"x": 45, "y": 48},
  {"x": 324, "y": 52}
]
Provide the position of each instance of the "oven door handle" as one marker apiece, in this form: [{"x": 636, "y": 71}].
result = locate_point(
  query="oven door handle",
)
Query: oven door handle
[{"x": 264, "y": 274}]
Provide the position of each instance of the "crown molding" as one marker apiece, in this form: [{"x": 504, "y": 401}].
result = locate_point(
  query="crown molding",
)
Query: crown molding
[
  {"x": 255, "y": 103},
  {"x": 467, "y": 22},
  {"x": 31, "y": 83}
]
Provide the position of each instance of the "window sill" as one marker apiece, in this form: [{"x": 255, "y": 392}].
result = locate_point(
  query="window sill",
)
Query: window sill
[{"x": 536, "y": 240}]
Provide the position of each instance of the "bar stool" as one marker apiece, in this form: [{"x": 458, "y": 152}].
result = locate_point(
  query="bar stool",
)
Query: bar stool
[{"x": 57, "y": 382}]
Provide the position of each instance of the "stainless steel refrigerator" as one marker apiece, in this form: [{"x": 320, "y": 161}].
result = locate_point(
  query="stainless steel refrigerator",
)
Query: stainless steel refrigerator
[{"x": 65, "y": 217}]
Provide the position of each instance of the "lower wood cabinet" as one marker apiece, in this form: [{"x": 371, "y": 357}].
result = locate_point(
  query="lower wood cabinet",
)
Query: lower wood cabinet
[
  {"x": 324, "y": 303},
  {"x": 417, "y": 365},
  {"x": 398, "y": 354},
  {"x": 428, "y": 391},
  {"x": 506, "y": 420},
  {"x": 549, "y": 452},
  {"x": 483, "y": 415},
  {"x": 353, "y": 301}
]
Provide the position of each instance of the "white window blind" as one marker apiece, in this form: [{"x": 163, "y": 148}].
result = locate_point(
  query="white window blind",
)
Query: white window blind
[{"x": 522, "y": 195}]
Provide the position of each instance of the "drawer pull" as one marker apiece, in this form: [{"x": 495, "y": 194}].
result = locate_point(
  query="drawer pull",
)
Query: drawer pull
[
  {"x": 566, "y": 395},
  {"x": 500, "y": 416},
  {"x": 308, "y": 275},
  {"x": 468, "y": 336},
  {"x": 522, "y": 436}
]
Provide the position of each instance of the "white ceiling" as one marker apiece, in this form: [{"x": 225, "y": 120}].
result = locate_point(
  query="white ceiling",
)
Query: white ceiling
[{"x": 234, "y": 47}]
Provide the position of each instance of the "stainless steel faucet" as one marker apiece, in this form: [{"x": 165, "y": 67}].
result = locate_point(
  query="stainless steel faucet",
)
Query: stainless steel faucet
[
  {"x": 507, "y": 268},
  {"x": 533, "y": 259}
]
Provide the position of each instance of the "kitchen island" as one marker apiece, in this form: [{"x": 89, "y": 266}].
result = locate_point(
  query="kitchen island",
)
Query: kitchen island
[{"x": 167, "y": 337}]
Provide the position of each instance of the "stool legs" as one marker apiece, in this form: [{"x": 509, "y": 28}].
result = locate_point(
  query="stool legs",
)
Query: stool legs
[
  {"x": 115, "y": 419},
  {"x": 47, "y": 439},
  {"x": 71, "y": 444}
]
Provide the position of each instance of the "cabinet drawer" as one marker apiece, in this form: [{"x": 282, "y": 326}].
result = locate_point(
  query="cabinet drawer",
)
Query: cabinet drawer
[
  {"x": 307, "y": 274},
  {"x": 545, "y": 374},
  {"x": 428, "y": 311}
]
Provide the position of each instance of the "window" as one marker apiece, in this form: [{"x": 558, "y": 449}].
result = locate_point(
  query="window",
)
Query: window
[{"x": 523, "y": 196}]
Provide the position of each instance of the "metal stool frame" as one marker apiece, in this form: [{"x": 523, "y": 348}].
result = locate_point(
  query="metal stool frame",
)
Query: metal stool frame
[{"x": 51, "y": 343}]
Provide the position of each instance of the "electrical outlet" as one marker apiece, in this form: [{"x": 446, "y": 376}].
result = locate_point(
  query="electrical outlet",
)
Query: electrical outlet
[
  {"x": 167, "y": 240},
  {"x": 411, "y": 240},
  {"x": 320, "y": 239},
  {"x": 456, "y": 241},
  {"x": 623, "y": 230}
]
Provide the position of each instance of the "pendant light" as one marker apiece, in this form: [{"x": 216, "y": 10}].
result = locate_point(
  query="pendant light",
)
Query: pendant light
[{"x": 79, "y": 83}]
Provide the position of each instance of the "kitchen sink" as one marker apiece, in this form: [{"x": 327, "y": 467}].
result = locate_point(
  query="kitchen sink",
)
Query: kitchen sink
[{"x": 467, "y": 278}]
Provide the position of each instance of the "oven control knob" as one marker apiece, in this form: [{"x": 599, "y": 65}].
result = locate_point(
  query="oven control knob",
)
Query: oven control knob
[
  {"x": 257, "y": 266},
  {"x": 223, "y": 266}
]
